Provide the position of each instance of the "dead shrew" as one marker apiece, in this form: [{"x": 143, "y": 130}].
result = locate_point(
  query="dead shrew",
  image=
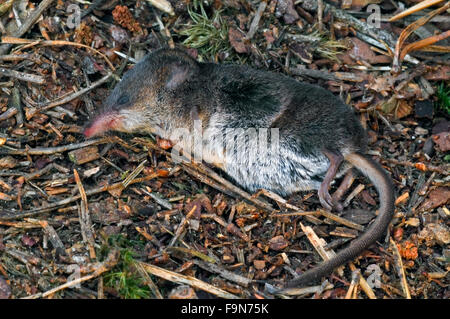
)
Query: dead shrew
[{"x": 172, "y": 95}]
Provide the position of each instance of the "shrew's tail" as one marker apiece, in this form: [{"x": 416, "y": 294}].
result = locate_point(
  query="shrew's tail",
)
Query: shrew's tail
[{"x": 384, "y": 186}]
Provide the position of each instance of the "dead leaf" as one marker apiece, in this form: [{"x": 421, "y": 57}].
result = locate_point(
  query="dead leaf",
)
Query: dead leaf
[
  {"x": 278, "y": 243},
  {"x": 237, "y": 40},
  {"x": 255, "y": 252},
  {"x": 116, "y": 192},
  {"x": 441, "y": 73},
  {"x": 382, "y": 84},
  {"x": 244, "y": 208},
  {"x": 442, "y": 140},
  {"x": 8, "y": 162},
  {"x": 388, "y": 106},
  {"x": 437, "y": 197},
  {"x": 361, "y": 51},
  {"x": 403, "y": 109},
  {"x": 359, "y": 216},
  {"x": 107, "y": 213}
]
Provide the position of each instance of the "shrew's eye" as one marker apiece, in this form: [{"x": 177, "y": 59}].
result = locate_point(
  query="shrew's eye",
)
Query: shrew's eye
[{"x": 123, "y": 100}]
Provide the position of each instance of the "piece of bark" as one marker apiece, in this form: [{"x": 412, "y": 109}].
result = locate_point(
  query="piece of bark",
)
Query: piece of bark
[{"x": 84, "y": 155}]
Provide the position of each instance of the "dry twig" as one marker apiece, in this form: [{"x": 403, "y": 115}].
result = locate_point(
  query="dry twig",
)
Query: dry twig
[
  {"x": 415, "y": 8},
  {"x": 398, "y": 53},
  {"x": 33, "y": 78},
  {"x": 363, "y": 283},
  {"x": 188, "y": 280},
  {"x": 99, "y": 268},
  {"x": 401, "y": 270},
  {"x": 85, "y": 220}
]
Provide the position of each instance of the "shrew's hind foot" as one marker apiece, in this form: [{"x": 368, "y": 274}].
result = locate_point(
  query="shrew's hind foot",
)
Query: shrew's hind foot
[
  {"x": 345, "y": 185},
  {"x": 325, "y": 198}
]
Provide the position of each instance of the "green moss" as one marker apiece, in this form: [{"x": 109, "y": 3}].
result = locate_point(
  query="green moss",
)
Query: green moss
[
  {"x": 327, "y": 48},
  {"x": 443, "y": 98},
  {"x": 123, "y": 277},
  {"x": 208, "y": 35}
]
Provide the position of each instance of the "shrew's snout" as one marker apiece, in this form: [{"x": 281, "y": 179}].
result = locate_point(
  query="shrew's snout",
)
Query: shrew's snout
[{"x": 103, "y": 123}]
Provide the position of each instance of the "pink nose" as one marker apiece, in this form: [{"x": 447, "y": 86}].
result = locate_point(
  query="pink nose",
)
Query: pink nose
[{"x": 103, "y": 123}]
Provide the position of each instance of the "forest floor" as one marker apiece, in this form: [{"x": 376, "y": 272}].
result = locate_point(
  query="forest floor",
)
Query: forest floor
[{"x": 115, "y": 217}]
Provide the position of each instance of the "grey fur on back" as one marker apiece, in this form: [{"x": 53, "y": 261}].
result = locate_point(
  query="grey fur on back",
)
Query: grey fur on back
[{"x": 309, "y": 118}]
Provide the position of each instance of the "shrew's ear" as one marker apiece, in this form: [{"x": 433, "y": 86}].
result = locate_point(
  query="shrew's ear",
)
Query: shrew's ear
[{"x": 178, "y": 72}]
